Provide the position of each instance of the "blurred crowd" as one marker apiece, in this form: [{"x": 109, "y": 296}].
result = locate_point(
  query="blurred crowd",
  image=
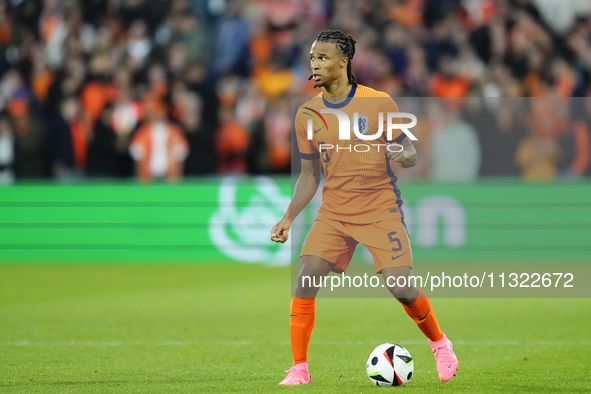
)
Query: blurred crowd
[
  {"x": 538, "y": 138},
  {"x": 180, "y": 88}
]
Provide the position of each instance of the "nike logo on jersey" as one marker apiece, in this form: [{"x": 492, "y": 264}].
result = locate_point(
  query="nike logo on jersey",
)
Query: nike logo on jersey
[{"x": 394, "y": 258}]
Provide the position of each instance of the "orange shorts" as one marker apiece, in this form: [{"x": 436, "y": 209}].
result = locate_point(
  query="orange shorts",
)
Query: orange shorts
[{"x": 335, "y": 241}]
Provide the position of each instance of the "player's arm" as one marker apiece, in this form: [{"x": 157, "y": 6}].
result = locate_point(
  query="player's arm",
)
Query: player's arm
[
  {"x": 403, "y": 153},
  {"x": 305, "y": 189}
]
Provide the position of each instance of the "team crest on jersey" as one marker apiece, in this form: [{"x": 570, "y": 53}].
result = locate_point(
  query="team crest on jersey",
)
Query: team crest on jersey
[{"x": 362, "y": 122}]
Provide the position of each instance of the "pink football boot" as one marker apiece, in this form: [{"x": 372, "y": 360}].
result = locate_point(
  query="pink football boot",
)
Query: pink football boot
[
  {"x": 447, "y": 363},
  {"x": 298, "y": 374}
]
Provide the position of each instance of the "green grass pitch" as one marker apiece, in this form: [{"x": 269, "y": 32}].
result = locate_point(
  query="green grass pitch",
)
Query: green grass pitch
[{"x": 225, "y": 328}]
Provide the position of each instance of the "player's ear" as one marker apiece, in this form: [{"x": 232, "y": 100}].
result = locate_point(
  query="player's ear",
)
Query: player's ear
[{"x": 344, "y": 62}]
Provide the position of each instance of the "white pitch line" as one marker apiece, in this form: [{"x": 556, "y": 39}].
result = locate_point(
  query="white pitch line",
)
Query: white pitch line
[
  {"x": 460, "y": 342},
  {"x": 319, "y": 343}
]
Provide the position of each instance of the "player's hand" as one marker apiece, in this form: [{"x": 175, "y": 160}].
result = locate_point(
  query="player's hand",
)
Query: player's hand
[
  {"x": 395, "y": 152},
  {"x": 279, "y": 232}
]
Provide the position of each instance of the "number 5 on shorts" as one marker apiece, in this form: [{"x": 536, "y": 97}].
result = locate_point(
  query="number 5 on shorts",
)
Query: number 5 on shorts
[{"x": 392, "y": 239}]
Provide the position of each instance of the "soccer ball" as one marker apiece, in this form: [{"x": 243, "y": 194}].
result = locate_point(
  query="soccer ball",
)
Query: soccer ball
[{"x": 389, "y": 365}]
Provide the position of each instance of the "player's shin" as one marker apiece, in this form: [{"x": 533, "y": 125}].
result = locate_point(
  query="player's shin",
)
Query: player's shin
[
  {"x": 302, "y": 316},
  {"x": 422, "y": 313}
]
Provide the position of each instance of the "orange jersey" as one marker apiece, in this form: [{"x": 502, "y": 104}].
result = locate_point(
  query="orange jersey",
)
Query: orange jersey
[
  {"x": 159, "y": 148},
  {"x": 360, "y": 185}
]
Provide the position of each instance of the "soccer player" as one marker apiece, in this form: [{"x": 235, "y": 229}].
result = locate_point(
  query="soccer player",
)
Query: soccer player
[{"x": 360, "y": 204}]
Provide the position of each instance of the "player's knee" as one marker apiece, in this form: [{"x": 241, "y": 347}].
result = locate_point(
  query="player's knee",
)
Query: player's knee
[{"x": 306, "y": 292}]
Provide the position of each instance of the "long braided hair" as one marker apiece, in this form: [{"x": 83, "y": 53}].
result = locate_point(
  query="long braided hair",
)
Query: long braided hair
[{"x": 345, "y": 44}]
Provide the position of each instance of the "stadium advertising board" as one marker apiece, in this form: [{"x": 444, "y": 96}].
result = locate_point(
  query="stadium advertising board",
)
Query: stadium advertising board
[{"x": 228, "y": 220}]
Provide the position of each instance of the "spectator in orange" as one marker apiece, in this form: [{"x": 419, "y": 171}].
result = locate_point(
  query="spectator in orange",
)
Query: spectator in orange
[
  {"x": 158, "y": 83},
  {"x": 159, "y": 148},
  {"x": 538, "y": 154},
  {"x": 447, "y": 83},
  {"x": 406, "y": 12},
  {"x": 127, "y": 113},
  {"x": 41, "y": 77},
  {"x": 274, "y": 80},
  {"x": 231, "y": 144},
  {"x": 100, "y": 91},
  {"x": 560, "y": 82},
  {"x": 537, "y": 157},
  {"x": 5, "y": 28},
  {"x": 278, "y": 135},
  {"x": 18, "y": 109},
  {"x": 261, "y": 46},
  {"x": 79, "y": 131}
]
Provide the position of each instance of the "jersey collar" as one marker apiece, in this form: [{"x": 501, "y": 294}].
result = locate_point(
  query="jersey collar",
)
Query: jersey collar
[{"x": 341, "y": 104}]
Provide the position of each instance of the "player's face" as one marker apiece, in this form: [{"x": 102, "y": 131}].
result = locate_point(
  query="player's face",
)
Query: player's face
[{"x": 326, "y": 62}]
